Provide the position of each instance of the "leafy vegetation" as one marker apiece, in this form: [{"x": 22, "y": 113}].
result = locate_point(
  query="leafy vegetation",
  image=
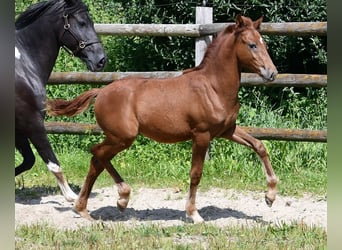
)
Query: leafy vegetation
[{"x": 302, "y": 54}]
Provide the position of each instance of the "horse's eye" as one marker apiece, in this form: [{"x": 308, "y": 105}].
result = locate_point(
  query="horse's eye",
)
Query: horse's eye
[
  {"x": 252, "y": 46},
  {"x": 82, "y": 23}
]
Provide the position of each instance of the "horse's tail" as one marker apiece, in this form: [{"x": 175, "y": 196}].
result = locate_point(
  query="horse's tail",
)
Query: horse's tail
[{"x": 59, "y": 107}]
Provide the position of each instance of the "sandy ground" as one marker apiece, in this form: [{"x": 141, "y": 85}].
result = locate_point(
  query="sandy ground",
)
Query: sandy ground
[{"x": 166, "y": 207}]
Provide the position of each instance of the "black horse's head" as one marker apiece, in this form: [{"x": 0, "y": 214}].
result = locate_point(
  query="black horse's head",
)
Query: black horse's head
[{"x": 78, "y": 35}]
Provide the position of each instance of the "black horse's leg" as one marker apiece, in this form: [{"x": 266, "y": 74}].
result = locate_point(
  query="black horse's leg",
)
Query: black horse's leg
[
  {"x": 23, "y": 146},
  {"x": 40, "y": 141},
  {"x": 38, "y": 137}
]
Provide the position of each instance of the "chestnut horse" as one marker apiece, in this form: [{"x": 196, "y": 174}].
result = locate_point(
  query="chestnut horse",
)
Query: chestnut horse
[{"x": 199, "y": 105}]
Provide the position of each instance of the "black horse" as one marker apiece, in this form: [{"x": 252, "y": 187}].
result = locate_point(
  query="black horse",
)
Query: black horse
[{"x": 40, "y": 32}]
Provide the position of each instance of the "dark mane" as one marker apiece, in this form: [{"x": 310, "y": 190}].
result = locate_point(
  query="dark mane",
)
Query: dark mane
[
  {"x": 77, "y": 7},
  {"x": 37, "y": 10},
  {"x": 32, "y": 13}
]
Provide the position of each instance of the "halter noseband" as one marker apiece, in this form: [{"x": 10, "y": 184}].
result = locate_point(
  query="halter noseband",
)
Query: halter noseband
[{"x": 81, "y": 43}]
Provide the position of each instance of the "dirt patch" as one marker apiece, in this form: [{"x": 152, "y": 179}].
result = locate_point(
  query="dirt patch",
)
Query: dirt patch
[{"x": 166, "y": 207}]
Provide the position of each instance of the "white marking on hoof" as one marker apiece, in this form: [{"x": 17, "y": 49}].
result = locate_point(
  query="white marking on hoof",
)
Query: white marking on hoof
[
  {"x": 83, "y": 213},
  {"x": 195, "y": 217},
  {"x": 124, "y": 191},
  {"x": 122, "y": 204},
  {"x": 17, "y": 53}
]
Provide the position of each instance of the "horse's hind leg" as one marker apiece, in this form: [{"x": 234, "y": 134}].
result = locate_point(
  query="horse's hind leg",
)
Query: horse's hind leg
[
  {"x": 102, "y": 154},
  {"x": 200, "y": 144},
  {"x": 81, "y": 203},
  {"x": 124, "y": 190},
  {"x": 242, "y": 137},
  {"x": 39, "y": 139},
  {"x": 105, "y": 152},
  {"x": 23, "y": 146}
]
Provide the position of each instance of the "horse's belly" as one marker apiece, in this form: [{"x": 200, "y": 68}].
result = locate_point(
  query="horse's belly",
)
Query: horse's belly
[
  {"x": 166, "y": 138},
  {"x": 166, "y": 132}
]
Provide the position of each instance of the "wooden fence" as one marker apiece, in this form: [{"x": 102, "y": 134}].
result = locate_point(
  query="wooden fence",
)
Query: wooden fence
[{"x": 198, "y": 31}]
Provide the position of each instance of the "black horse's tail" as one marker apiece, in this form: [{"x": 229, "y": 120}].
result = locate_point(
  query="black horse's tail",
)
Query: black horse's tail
[{"x": 60, "y": 107}]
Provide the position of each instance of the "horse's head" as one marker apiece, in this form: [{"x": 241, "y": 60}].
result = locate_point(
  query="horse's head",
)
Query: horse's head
[
  {"x": 251, "y": 48},
  {"x": 78, "y": 35}
]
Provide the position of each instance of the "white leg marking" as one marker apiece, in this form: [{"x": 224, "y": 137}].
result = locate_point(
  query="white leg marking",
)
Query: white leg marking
[
  {"x": 196, "y": 218},
  {"x": 62, "y": 183},
  {"x": 17, "y": 53},
  {"x": 53, "y": 167}
]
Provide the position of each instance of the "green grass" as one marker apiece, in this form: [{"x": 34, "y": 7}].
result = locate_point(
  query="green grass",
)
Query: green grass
[{"x": 204, "y": 236}]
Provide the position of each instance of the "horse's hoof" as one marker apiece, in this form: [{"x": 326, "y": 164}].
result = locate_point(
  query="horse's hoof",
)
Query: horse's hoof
[
  {"x": 122, "y": 204},
  {"x": 268, "y": 201},
  {"x": 83, "y": 213},
  {"x": 195, "y": 218}
]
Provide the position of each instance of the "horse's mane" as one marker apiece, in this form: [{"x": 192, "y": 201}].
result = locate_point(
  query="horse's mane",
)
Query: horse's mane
[
  {"x": 210, "y": 52},
  {"x": 32, "y": 13},
  {"x": 36, "y": 10}
]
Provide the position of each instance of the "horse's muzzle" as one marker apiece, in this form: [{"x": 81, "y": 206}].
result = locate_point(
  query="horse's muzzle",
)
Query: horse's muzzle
[
  {"x": 95, "y": 65},
  {"x": 268, "y": 74},
  {"x": 100, "y": 65}
]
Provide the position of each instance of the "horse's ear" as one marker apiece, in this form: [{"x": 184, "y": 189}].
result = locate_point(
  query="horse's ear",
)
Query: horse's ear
[
  {"x": 239, "y": 21},
  {"x": 242, "y": 21},
  {"x": 257, "y": 23}
]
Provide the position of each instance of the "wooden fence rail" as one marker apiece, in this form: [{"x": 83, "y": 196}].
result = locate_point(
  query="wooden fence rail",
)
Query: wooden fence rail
[
  {"x": 247, "y": 79},
  {"x": 199, "y": 30},
  {"x": 261, "y": 133}
]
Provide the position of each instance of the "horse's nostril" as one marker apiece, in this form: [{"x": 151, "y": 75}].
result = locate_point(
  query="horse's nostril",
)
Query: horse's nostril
[
  {"x": 272, "y": 76},
  {"x": 102, "y": 62}
]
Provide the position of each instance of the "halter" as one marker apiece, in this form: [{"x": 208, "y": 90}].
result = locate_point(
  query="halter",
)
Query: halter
[{"x": 81, "y": 43}]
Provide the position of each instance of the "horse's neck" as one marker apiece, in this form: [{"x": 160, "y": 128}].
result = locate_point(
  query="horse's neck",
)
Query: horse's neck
[
  {"x": 223, "y": 68},
  {"x": 41, "y": 47}
]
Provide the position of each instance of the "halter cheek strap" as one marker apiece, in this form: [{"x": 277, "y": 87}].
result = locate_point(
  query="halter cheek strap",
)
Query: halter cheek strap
[{"x": 81, "y": 44}]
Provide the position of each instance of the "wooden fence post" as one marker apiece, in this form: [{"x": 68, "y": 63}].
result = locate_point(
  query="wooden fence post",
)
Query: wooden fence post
[{"x": 204, "y": 15}]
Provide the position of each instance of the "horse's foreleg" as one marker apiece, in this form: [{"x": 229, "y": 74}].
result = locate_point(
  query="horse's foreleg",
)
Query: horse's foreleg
[
  {"x": 242, "y": 137},
  {"x": 80, "y": 206},
  {"x": 200, "y": 144}
]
